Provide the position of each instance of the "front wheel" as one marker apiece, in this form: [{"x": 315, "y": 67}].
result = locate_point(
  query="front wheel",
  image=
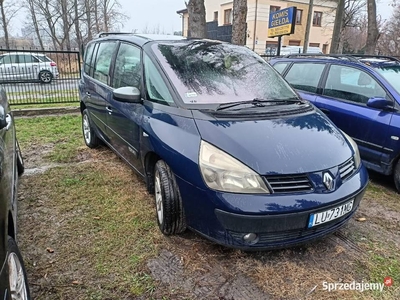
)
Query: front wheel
[
  {"x": 90, "y": 137},
  {"x": 45, "y": 76},
  {"x": 170, "y": 213},
  {"x": 17, "y": 279},
  {"x": 396, "y": 176}
]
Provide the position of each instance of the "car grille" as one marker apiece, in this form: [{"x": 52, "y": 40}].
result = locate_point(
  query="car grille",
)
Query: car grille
[
  {"x": 347, "y": 169},
  {"x": 289, "y": 183}
]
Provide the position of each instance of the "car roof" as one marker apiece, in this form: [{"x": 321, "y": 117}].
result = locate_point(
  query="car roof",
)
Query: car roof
[
  {"x": 138, "y": 38},
  {"x": 358, "y": 59}
]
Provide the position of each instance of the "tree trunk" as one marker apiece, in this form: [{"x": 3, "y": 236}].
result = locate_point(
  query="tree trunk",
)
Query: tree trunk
[
  {"x": 337, "y": 29},
  {"x": 35, "y": 23},
  {"x": 88, "y": 20},
  {"x": 373, "y": 33},
  {"x": 4, "y": 24},
  {"x": 239, "y": 26},
  {"x": 96, "y": 16},
  {"x": 65, "y": 24},
  {"x": 197, "y": 19},
  {"x": 77, "y": 27}
]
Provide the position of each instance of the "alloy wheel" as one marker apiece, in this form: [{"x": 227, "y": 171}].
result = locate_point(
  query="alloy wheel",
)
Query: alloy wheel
[
  {"x": 18, "y": 289},
  {"x": 86, "y": 129},
  {"x": 159, "y": 200}
]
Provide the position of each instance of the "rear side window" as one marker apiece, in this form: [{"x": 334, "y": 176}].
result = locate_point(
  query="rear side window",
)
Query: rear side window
[
  {"x": 25, "y": 59},
  {"x": 103, "y": 61},
  {"x": 128, "y": 67},
  {"x": 88, "y": 58},
  {"x": 352, "y": 84},
  {"x": 280, "y": 66},
  {"x": 305, "y": 76}
]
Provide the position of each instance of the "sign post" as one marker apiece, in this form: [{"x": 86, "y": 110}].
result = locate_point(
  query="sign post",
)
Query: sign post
[{"x": 282, "y": 22}]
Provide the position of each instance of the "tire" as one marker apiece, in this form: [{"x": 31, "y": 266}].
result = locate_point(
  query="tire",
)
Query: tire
[
  {"x": 45, "y": 77},
  {"x": 169, "y": 209},
  {"x": 20, "y": 160},
  {"x": 396, "y": 176},
  {"x": 17, "y": 279},
  {"x": 89, "y": 136}
]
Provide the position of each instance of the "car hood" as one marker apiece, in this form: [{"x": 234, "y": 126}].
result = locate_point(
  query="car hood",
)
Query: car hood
[{"x": 291, "y": 145}]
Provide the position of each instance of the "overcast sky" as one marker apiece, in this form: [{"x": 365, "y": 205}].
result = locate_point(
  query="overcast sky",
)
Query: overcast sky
[
  {"x": 162, "y": 14},
  {"x": 153, "y": 13}
]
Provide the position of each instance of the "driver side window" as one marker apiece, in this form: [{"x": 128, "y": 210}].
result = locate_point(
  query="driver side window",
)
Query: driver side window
[{"x": 128, "y": 67}]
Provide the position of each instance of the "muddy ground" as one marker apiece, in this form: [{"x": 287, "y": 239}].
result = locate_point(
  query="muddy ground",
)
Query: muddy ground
[{"x": 62, "y": 262}]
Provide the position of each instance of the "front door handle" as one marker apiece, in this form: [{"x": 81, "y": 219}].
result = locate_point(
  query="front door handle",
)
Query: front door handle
[
  {"x": 109, "y": 109},
  {"x": 88, "y": 94}
]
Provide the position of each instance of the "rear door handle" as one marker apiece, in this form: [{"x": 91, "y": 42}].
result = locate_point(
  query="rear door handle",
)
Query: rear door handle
[
  {"x": 88, "y": 94},
  {"x": 108, "y": 108}
]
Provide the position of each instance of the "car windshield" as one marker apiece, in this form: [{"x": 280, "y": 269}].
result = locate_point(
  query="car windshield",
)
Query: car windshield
[
  {"x": 392, "y": 75},
  {"x": 208, "y": 72}
]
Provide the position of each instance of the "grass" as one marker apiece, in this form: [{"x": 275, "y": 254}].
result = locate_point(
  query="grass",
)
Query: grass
[
  {"x": 98, "y": 217},
  {"x": 45, "y": 105},
  {"x": 64, "y": 132}
]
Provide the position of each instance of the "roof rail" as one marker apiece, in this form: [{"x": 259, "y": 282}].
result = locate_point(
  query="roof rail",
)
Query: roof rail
[
  {"x": 103, "y": 34},
  {"x": 338, "y": 56},
  {"x": 361, "y": 56}
]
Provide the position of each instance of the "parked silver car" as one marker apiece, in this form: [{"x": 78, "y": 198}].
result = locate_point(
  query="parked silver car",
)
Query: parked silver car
[{"x": 26, "y": 66}]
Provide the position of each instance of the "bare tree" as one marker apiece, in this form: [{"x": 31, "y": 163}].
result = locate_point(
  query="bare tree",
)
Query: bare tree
[
  {"x": 8, "y": 11},
  {"x": 373, "y": 32},
  {"x": 35, "y": 24},
  {"x": 197, "y": 19},
  {"x": 389, "y": 40},
  {"x": 239, "y": 27}
]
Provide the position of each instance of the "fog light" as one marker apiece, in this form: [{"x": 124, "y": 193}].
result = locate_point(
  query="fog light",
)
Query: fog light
[{"x": 250, "y": 238}]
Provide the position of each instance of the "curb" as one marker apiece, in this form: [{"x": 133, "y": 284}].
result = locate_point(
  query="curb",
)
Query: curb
[{"x": 29, "y": 112}]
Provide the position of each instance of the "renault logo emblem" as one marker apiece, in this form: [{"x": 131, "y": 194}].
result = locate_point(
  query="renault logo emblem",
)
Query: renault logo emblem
[{"x": 328, "y": 181}]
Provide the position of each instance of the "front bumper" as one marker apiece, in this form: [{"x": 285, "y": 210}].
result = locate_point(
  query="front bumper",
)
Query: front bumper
[{"x": 278, "y": 220}]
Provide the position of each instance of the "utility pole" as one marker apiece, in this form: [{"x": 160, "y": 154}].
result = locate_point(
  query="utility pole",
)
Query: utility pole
[
  {"x": 255, "y": 27},
  {"x": 308, "y": 26}
]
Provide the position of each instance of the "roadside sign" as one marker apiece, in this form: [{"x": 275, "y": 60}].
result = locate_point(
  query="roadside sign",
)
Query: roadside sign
[{"x": 282, "y": 22}]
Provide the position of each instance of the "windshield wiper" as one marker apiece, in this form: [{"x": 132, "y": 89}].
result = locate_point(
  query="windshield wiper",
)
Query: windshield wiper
[{"x": 259, "y": 102}]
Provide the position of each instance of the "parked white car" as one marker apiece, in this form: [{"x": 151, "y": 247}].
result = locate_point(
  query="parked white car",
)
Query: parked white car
[
  {"x": 299, "y": 49},
  {"x": 26, "y": 66}
]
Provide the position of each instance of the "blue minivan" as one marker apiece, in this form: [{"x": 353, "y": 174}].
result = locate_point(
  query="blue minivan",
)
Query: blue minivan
[
  {"x": 360, "y": 94},
  {"x": 225, "y": 144}
]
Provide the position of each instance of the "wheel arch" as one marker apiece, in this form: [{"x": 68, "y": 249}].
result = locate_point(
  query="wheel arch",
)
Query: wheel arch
[
  {"x": 150, "y": 161},
  {"x": 11, "y": 227}
]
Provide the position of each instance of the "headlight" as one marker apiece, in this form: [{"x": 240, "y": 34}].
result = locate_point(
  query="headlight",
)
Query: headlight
[
  {"x": 222, "y": 172},
  {"x": 357, "y": 158}
]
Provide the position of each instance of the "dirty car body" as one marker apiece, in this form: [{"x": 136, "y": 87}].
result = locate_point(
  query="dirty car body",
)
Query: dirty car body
[{"x": 252, "y": 166}]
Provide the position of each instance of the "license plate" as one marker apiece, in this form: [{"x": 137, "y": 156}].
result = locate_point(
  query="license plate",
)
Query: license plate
[{"x": 330, "y": 214}]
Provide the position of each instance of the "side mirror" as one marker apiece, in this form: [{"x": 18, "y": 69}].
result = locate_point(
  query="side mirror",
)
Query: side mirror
[
  {"x": 128, "y": 94},
  {"x": 3, "y": 121},
  {"x": 379, "y": 103}
]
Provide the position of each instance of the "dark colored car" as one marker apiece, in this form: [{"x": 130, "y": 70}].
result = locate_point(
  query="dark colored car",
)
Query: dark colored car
[
  {"x": 226, "y": 145},
  {"x": 361, "y": 95},
  {"x": 13, "y": 280}
]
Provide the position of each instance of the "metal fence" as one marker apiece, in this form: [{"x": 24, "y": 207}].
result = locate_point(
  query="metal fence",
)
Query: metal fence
[{"x": 40, "y": 77}]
